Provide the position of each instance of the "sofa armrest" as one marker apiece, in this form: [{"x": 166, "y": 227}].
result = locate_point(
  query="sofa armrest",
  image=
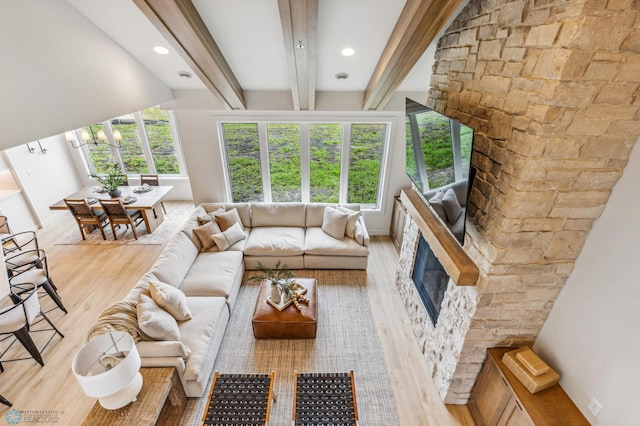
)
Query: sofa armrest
[
  {"x": 365, "y": 234},
  {"x": 162, "y": 349}
]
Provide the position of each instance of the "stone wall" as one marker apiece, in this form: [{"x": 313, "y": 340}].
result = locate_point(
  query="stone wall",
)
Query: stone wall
[{"x": 551, "y": 89}]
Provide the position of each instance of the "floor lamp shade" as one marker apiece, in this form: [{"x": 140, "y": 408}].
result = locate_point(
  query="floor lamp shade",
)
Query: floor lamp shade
[{"x": 108, "y": 368}]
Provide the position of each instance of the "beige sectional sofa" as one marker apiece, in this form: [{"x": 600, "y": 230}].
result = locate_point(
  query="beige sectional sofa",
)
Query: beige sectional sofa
[{"x": 210, "y": 279}]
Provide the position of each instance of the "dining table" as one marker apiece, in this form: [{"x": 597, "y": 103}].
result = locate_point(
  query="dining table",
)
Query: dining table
[{"x": 147, "y": 199}]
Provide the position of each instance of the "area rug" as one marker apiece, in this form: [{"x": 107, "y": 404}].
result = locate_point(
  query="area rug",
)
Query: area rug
[
  {"x": 346, "y": 340},
  {"x": 172, "y": 223}
]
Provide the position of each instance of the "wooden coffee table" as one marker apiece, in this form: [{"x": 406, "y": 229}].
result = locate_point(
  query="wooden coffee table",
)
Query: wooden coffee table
[{"x": 270, "y": 323}]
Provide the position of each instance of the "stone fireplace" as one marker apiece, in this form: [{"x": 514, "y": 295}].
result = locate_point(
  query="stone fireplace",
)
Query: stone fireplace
[{"x": 552, "y": 90}]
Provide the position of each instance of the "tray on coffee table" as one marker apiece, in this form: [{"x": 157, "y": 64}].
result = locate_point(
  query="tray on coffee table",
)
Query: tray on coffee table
[{"x": 283, "y": 305}]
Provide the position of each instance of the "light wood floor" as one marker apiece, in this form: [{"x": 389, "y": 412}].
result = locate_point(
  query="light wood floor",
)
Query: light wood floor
[{"x": 91, "y": 277}]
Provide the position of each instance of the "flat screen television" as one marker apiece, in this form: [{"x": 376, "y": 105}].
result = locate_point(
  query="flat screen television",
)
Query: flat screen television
[{"x": 439, "y": 163}]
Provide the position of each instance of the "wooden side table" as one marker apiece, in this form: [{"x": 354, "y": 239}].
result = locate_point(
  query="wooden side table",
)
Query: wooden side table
[{"x": 161, "y": 396}]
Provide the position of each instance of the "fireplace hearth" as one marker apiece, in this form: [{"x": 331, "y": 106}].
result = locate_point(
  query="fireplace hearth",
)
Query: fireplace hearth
[{"x": 430, "y": 278}]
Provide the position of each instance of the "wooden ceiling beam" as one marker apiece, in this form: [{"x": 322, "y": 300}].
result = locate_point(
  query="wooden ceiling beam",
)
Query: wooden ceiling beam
[
  {"x": 417, "y": 26},
  {"x": 299, "y": 20},
  {"x": 182, "y": 26}
]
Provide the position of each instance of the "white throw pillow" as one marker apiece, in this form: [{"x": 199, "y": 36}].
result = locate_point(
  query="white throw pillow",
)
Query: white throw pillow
[
  {"x": 170, "y": 299},
  {"x": 227, "y": 238},
  {"x": 436, "y": 203},
  {"x": 227, "y": 219},
  {"x": 206, "y": 218},
  {"x": 204, "y": 232},
  {"x": 451, "y": 205},
  {"x": 154, "y": 321},
  {"x": 334, "y": 222},
  {"x": 352, "y": 218}
]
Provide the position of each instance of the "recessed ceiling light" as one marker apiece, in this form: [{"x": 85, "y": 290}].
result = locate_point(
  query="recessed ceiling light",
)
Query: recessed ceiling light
[
  {"x": 347, "y": 51},
  {"x": 160, "y": 50},
  {"x": 341, "y": 76}
]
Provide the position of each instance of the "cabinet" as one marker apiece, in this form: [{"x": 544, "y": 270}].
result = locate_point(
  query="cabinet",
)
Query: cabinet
[
  {"x": 498, "y": 398},
  {"x": 398, "y": 219}
]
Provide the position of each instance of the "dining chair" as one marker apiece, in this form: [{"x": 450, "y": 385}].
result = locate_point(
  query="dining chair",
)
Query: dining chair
[
  {"x": 118, "y": 215},
  {"x": 18, "y": 312},
  {"x": 41, "y": 277},
  {"x": 85, "y": 216},
  {"x": 5, "y": 231},
  {"x": 152, "y": 180}
]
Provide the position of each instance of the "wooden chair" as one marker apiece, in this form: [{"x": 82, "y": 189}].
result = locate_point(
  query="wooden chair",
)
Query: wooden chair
[
  {"x": 118, "y": 215},
  {"x": 152, "y": 180},
  {"x": 86, "y": 216}
]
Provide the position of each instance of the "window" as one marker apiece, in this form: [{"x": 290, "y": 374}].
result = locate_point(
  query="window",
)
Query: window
[
  {"x": 147, "y": 144},
  {"x": 325, "y": 142},
  {"x": 316, "y": 162},
  {"x": 243, "y": 160},
  {"x": 130, "y": 145},
  {"x": 100, "y": 155}
]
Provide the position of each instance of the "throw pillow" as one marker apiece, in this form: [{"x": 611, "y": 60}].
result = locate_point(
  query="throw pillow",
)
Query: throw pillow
[
  {"x": 352, "y": 218},
  {"x": 436, "y": 203},
  {"x": 227, "y": 219},
  {"x": 227, "y": 238},
  {"x": 170, "y": 299},
  {"x": 334, "y": 222},
  {"x": 451, "y": 205},
  {"x": 204, "y": 232},
  {"x": 154, "y": 321},
  {"x": 206, "y": 218}
]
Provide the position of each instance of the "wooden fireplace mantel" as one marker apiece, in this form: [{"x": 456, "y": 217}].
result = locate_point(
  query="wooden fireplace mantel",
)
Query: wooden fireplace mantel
[{"x": 444, "y": 245}]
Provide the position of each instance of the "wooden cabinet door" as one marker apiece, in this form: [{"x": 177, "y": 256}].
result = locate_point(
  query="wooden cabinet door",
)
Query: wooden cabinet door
[
  {"x": 514, "y": 415},
  {"x": 489, "y": 397},
  {"x": 398, "y": 219}
]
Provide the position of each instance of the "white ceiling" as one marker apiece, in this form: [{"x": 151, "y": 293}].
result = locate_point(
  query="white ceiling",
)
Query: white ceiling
[{"x": 249, "y": 34}]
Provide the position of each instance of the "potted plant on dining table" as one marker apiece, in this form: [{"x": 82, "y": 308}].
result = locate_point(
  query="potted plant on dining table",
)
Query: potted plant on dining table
[{"x": 112, "y": 180}]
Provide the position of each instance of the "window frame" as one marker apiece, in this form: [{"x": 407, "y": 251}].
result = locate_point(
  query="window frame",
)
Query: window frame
[
  {"x": 144, "y": 141},
  {"x": 304, "y": 120}
]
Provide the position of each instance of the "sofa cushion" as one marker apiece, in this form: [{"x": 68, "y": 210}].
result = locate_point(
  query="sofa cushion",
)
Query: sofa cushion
[
  {"x": 154, "y": 321},
  {"x": 209, "y": 313},
  {"x": 244, "y": 210},
  {"x": 204, "y": 233},
  {"x": 170, "y": 299},
  {"x": 280, "y": 214},
  {"x": 230, "y": 236},
  {"x": 334, "y": 222},
  {"x": 175, "y": 260},
  {"x": 237, "y": 246},
  {"x": 275, "y": 241},
  {"x": 208, "y": 217},
  {"x": 315, "y": 212},
  {"x": 320, "y": 243},
  {"x": 212, "y": 274}
]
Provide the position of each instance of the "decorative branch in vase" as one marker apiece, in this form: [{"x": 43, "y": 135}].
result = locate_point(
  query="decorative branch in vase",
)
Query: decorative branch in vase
[
  {"x": 112, "y": 181},
  {"x": 279, "y": 277}
]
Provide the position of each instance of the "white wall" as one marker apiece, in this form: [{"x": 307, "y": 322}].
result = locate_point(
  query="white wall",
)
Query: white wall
[
  {"x": 45, "y": 178},
  {"x": 60, "y": 72},
  {"x": 592, "y": 337}
]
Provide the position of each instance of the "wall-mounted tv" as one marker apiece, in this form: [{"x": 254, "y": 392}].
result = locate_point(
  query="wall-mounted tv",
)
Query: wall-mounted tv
[{"x": 439, "y": 162}]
